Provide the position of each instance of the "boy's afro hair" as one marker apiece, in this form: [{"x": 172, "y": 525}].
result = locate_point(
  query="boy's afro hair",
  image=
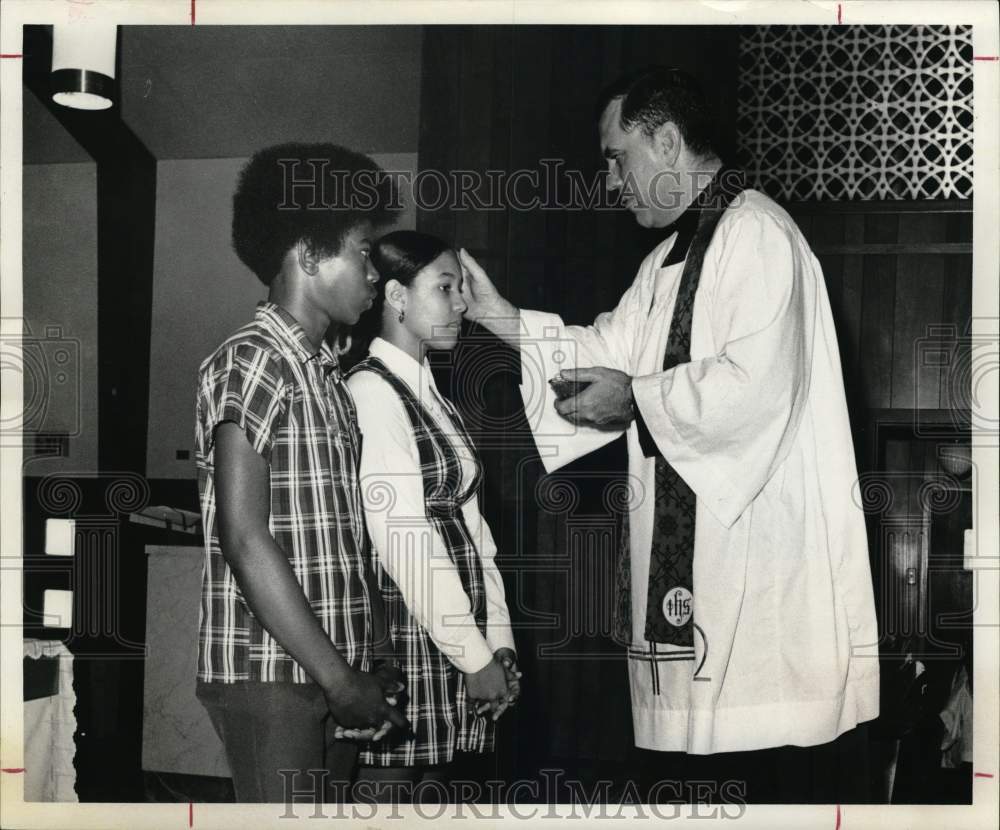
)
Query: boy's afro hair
[{"x": 315, "y": 192}]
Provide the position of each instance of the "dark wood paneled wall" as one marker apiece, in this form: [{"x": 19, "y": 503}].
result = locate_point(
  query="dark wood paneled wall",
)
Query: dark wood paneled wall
[{"x": 899, "y": 276}]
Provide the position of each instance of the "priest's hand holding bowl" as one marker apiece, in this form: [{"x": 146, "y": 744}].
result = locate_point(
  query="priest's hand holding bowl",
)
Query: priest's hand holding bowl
[{"x": 605, "y": 403}]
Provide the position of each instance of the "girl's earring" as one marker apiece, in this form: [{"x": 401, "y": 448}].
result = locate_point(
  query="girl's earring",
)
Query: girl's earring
[{"x": 402, "y": 315}]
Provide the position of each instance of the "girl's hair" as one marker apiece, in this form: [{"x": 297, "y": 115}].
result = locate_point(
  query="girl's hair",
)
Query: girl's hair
[{"x": 400, "y": 256}]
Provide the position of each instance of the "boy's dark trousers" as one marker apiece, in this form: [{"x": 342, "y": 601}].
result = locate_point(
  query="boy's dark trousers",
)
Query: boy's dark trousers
[{"x": 279, "y": 742}]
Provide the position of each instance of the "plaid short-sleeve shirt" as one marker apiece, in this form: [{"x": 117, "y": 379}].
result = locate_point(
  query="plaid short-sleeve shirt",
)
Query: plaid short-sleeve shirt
[{"x": 298, "y": 414}]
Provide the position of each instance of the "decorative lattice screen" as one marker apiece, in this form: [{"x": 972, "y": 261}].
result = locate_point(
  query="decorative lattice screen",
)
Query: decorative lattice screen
[{"x": 857, "y": 112}]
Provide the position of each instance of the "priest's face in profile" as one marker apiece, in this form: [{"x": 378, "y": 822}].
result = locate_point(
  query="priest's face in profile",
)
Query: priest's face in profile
[{"x": 642, "y": 168}]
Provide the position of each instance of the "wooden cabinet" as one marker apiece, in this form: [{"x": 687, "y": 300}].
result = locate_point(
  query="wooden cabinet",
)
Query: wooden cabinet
[{"x": 917, "y": 490}]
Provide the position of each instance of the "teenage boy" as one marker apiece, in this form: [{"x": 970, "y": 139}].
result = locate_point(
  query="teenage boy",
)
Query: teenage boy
[{"x": 289, "y": 610}]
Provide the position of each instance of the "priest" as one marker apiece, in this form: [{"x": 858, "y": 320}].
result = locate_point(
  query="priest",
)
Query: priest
[{"x": 745, "y": 591}]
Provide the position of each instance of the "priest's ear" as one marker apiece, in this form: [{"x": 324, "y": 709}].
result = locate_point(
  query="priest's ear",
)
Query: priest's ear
[{"x": 668, "y": 142}]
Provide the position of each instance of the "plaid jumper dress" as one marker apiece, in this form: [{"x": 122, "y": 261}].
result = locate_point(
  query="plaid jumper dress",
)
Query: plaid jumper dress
[{"x": 436, "y": 701}]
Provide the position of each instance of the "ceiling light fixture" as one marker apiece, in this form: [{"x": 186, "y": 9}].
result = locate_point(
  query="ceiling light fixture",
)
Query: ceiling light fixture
[{"x": 83, "y": 65}]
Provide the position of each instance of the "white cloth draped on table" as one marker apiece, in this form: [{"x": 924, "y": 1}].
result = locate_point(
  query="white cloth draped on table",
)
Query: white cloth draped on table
[{"x": 49, "y": 725}]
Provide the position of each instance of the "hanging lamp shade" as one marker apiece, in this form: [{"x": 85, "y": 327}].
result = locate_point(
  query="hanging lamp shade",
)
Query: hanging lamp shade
[{"x": 83, "y": 65}]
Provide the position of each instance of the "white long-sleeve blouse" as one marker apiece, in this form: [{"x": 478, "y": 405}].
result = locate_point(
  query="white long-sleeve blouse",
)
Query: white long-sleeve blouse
[{"x": 392, "y": 488}]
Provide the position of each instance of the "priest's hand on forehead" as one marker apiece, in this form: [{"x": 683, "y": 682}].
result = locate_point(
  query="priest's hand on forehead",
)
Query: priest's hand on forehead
[{"x": 484, "y": 303}]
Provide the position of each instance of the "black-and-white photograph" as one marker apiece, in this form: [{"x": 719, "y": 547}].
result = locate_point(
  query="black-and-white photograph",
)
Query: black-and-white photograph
[{"x": 505, "y": 417}]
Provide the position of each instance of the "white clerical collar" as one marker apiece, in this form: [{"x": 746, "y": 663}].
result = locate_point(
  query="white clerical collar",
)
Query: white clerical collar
[{"x": 417, "y": 376}]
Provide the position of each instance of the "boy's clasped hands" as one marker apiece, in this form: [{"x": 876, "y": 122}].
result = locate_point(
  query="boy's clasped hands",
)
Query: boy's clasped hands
[{"x": 390, "y": 679}]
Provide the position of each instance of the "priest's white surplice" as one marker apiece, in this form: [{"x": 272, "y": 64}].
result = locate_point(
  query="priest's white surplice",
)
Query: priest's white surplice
[{"x": 756, "y": 424}]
